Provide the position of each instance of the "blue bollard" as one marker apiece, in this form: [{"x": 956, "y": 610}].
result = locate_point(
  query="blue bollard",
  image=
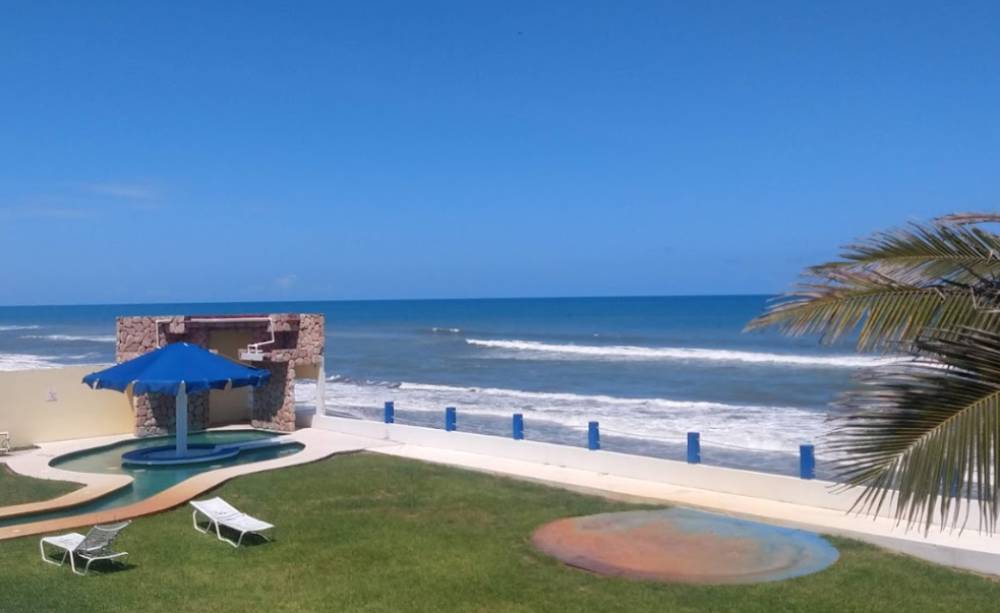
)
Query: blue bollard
[
  {"x": 518, "y": 424},
  {"x": 593, "y": 436},
  {"x": 390, "y": 412},
  {"x": 694, "y": 448},
  {"x": 450, "y": 419},
  {"x": 807, "y": 461}
]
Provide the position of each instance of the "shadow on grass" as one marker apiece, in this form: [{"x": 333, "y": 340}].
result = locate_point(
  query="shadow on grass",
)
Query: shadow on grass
[
  {"x": 97, "y": 567},
  {"x": 251, "y": 539}
]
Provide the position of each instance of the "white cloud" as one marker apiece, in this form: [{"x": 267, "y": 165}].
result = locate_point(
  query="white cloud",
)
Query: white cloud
[
  {"x": 285, "y": 281},
  {"x": 128, "y": 191}
]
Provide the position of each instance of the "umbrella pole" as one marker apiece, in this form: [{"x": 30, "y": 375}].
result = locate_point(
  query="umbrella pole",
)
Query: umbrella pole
[{"x": 181, "y": 421}]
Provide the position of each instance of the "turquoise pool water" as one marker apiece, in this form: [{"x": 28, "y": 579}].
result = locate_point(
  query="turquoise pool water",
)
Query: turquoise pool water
[{"x": 150, "y": 481}]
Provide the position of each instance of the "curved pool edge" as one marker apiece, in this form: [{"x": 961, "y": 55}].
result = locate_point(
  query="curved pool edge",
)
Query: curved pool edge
[
  {"x": 39, "y": 464},
  {"x": 316, "y": 445}
]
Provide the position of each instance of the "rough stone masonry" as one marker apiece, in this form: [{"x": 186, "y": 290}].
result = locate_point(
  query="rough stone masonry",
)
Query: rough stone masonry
[{"x": 298, "y": 343}]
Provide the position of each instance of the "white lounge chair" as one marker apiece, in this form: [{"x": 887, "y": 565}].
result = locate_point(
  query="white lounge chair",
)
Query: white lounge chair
[
  {"x": 95, "y": 546},
  {"x": 221, "y": 513}
]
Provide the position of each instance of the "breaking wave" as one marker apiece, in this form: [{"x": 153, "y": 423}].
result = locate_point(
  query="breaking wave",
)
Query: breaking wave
[
  {"x": 103, "y": 338},
  {"x": 752, "y": 427},
  {"x": 24, "y": 361},
  {"x": 626, "y": 352}
]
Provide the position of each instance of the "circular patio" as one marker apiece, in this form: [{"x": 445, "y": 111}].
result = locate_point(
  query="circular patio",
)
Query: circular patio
[{"x": 683, "y": 545}]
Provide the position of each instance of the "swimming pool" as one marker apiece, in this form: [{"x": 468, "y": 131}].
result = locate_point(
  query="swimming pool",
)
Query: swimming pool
[{"x": 148, "y": 481}]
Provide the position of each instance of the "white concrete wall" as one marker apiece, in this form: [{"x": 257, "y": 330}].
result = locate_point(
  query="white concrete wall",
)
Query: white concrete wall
[
  {"x": 38, "y": 406},
  {"x": 781, "y": 488},
  {"x": 747, "y": 483},
  {"x": 233, "y": 405}
]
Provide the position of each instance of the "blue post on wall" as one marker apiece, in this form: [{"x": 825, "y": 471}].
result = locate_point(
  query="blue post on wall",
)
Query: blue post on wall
[
  {"x": 390, "y": 412},
  {"x": 518, "y": 426},
  {"x": 450, "y": 419},
  {"x": 807, "y": 461},
  {"x": 694, "y": 448},
  {"x": 593, "y": 436}
]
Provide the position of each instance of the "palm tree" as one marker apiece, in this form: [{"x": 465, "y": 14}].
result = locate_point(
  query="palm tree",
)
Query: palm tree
[{"x": 922, "y": 436}]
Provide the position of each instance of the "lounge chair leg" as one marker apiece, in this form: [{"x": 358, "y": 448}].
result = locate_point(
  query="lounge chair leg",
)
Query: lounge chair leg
[
  {"x": 218, "y": 534},
  {"x": 194, "y": 521},
  {"x": 45, "y": 558},
  {"x": 86, "y": 568},
  {"x": 230, "y": 541}
]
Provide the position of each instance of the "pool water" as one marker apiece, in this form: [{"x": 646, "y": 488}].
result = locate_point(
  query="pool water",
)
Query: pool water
[{"x": 148, "y": 480}]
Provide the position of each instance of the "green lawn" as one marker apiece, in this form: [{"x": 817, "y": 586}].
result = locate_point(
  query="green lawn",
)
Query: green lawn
[
  {"x": 372, "y": 533},
  {"x": 16, "y": 489}
]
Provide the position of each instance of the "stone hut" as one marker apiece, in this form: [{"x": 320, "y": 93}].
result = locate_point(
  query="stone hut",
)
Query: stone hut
[{"x": 290, "y": 345}]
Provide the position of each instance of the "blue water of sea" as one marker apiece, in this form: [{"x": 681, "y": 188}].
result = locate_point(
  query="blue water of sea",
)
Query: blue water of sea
[{"x": 649, "y": 370}]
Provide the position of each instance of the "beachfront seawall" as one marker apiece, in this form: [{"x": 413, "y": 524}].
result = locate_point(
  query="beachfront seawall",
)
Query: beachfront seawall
[
  {"x": 53, "y": 404},
  {"x": 782, "y": 488}
]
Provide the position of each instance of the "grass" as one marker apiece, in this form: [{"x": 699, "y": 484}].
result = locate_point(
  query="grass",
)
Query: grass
[
  {"x": 373, "y": 533},
  {"x": 17, "y": 489}
]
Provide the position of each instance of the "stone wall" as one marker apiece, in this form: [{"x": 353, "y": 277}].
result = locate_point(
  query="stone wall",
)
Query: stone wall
[
  {"x": 298, "y": 340},
  {"x": 274, "y": 402},
  {"x": 155, "y": 413}
]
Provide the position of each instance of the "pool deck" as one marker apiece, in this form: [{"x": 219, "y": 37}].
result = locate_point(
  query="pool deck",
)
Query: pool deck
[{"x": 318, "y": 444}]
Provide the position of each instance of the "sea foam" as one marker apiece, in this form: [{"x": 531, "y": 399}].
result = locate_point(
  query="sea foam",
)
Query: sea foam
[
  {"x": 752, "y": 427},
  {"x": 625, "y": 352},
  {"x": 104, "y": 338},
  {"x": 24, "y": 361}
]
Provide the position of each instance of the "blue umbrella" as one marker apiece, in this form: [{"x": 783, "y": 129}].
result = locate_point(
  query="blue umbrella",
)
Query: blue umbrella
[{"x": 177, "y": 369}]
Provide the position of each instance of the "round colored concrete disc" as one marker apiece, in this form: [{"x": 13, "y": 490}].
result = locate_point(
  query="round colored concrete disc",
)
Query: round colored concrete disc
[{"x": 683, "y": 545}]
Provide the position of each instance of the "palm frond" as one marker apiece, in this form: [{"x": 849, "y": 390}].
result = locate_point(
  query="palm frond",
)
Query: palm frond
[
  {"x": 884, "y": 313},
  {"x": 925, "y": 437},
  {"x": 891, "y": 286},
  {"x": 968, "y": 218},
  {"x": 916, "y": 254}
]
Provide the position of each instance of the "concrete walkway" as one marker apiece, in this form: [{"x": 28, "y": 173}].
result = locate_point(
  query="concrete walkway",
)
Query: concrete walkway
[{"x": 318, "y": 444}]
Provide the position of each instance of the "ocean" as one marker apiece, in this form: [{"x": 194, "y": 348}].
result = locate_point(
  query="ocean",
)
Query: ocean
[{"x": 649, "y": 370}]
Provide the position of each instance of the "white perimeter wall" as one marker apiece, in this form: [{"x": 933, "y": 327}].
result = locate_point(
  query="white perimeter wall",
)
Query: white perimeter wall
[
  {"x": 53, "y": 404},
  {"x": 782, "y": 488}
]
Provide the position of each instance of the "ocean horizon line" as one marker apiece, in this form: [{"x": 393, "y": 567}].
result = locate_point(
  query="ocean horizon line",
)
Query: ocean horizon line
[{"x": 391, "y": 300}]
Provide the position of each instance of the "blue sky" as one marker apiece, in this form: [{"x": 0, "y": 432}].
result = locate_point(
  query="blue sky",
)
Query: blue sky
[{"x": 169, "y": 151}]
